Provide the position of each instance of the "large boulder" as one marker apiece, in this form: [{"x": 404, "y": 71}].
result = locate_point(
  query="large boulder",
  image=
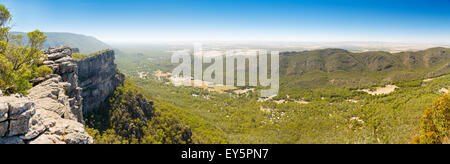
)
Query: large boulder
[
  {"x": 15, "y": 114},
  {"x": 49, "y": 128}
]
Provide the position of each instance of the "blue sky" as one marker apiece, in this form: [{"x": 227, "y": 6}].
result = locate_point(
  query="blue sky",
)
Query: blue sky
[{"x": 243, "y": 20}]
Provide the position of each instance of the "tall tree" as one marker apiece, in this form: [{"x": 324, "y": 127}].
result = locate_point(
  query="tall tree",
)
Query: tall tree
[{"x": 18, "y": 61}]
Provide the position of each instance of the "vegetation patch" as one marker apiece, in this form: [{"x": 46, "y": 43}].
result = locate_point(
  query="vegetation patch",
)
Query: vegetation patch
[{"x": 19, "y": 62}]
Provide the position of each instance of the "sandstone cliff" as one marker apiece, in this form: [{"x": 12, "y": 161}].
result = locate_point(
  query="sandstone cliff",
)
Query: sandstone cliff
[{"x": 99, "y": 77}]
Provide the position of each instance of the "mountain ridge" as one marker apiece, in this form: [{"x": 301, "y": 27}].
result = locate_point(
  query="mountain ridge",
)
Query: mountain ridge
[
  {"x": 86, "y": 44},
  {"x": 335, "y": 60}
]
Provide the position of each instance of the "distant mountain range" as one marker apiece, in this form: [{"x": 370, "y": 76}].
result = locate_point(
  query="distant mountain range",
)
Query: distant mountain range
[
  {"x": 86, "y": 44},
  {"x": 341, "y": 67}
]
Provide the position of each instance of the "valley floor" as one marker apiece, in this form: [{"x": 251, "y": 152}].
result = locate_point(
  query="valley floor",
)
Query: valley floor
[{"x": 229, "y": 118}]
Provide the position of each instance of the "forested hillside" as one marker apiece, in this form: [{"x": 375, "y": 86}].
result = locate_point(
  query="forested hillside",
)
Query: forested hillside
[
  {"x": 338, "y": 71},
  {"x": 129, "y": 117}
]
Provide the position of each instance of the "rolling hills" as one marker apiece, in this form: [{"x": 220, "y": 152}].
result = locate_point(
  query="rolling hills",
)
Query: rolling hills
[
  {"x": 341, "y": 67},
  {"x": 86, "y": 44}
]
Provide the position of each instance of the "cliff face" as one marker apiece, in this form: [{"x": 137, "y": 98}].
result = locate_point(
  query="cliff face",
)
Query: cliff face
[{"x": 99, "y": 78}]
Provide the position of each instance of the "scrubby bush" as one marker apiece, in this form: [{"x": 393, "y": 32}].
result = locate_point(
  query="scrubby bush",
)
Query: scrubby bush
[
  {"x": 43, "y": 71},
  {"x": 79, "y": 56},
  {"x": 435, "y": 123}
]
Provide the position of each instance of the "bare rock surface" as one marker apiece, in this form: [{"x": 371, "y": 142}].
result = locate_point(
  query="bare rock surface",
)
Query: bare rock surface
[
  {"x": 61, "y": 62},
  {"x": 15, "y": 113},
  {"x": 43, "y": 117}
]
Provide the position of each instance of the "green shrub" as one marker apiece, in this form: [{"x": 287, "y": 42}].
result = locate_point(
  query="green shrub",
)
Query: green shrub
[
  {"x": 435, "y": 123},
  {"x": 79, "y": 56},
  {"x": 43, "y": 71}
]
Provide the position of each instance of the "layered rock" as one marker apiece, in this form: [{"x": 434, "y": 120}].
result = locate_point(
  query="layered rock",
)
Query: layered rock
[
  {"x": 52, "y": 111},
  {"x": 55, "y": 121},
  {"x": 51, "y": 95},
  {"x": 61, "y": 62},
  {"x": 43, "y": 117},
  {"x": 15, "y": 114},
  {"x": 99, "y": 78}
]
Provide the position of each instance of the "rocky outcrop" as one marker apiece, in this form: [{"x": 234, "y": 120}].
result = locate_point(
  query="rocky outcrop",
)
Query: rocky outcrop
[
  {"x": 43, "y": 117},
  {"x": 99, "y": 77},
  {"x": 61, "y": 62},
  {"x": 15, "y": 113},
  {"x": 92, "y": 80},
  {"x": 55, "y": 121},
  {"x": 51, "y": 95},
  {"x": 52, "y": 112}
]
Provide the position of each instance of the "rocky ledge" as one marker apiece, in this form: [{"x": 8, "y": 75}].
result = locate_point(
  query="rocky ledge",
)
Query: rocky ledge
[
  {"x": 52, "y": 112},
  {"x": 43, "y": 117},
  {"x": 61, "y": 62}
]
